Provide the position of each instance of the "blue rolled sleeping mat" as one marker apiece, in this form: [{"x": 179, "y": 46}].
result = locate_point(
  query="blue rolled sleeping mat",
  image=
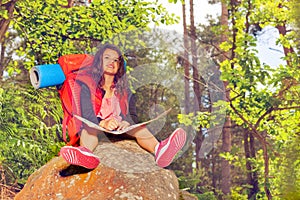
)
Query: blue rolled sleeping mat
[{"x": 47, "y": 75}]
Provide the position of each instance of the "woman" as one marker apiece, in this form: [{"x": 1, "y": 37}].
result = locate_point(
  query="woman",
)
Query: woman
[{"x": 113, "y": 111}]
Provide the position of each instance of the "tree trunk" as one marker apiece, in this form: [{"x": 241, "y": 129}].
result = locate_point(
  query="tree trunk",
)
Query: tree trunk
[
  {"x": 4, "y": 23},
  {"x": 251, "y": 175},
  {"x": 287, "y": 83},
  {"x": 197, "y": 83},
  {"x": 282, "y": 31},
  {"x": 185, "y": 62},
  {"x": 213, "y": 170},
  {"x": 186, "y": 65},
  {"x": 254, "y": 173},
  {"x": 2, "y": 54},
  {"x": 226, "y": 147},
  {"x": 226, "y": 133}
]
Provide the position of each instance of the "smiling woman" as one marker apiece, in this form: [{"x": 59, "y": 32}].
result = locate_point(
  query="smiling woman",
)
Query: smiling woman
[
  {"x": 111, "y": 63},
  {"x": 103, "y": 97},
  {"x": 47, "y": 30}
]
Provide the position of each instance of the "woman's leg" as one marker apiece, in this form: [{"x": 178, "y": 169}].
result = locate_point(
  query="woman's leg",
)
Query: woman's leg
[
  {"x": 166, "y": 150},
  {"x": 82, "y": 155},
  {"x": 88, "y": 139},
  {"x": 144, "y": 138}
]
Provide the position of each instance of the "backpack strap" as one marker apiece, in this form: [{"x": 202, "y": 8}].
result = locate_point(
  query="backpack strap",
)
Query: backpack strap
[
  {"x": 64, "y": 125},
  {"x": 70, "y": 98},
  {"x": 123, "y": 99}
]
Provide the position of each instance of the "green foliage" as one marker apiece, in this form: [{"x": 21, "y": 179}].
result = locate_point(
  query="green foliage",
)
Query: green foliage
[
  {"x": 237, "y": 193},
  {"x": 49, "y": 29},
  {"x": 286, "y": 166},
  {"x": 202, "y": 119},
  {"x": 207, "y": 196},
  {"x": 30, "y": 119},
  {"x": 28, "y": 130},
  {"x": 290, "y": 185},
  {"x": 190, "y": 183},
  {"x": 263, "y": 99}
]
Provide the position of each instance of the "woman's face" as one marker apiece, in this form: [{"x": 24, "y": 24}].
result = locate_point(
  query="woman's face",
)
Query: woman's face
[{"x": 111, "y": 62}]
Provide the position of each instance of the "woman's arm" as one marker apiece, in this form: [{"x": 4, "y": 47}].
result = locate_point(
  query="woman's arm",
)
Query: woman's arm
[
  {"x": 131, "y": 116},
  {"x": 87, "y": 109}
]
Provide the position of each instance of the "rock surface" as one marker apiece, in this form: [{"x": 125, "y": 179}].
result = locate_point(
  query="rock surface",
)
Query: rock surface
[{"x": 126, "y": 172}]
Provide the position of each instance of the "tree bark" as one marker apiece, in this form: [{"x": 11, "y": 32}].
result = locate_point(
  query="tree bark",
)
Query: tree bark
[
  {"x": 185, "y": 62},
  {"x": 252, "y": 178},
  {"x": 226, "y": 133},
  {"x": 4, "y": 23},
  {"x": 226, "y": 148},
  {"x": 196, "y": 79},
  {"x": 254, "y": 173},
  {"x": 282, "y": 31},
  {"x": 186, "y": 65}
]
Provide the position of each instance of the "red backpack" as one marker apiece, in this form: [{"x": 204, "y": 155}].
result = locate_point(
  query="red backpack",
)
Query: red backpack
[
  {"x": 69, "y": 92},
  {"x": 74, "y": 66}
]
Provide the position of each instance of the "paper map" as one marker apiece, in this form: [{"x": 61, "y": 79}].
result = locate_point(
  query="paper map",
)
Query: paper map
[{"x": 96, "y": 126}]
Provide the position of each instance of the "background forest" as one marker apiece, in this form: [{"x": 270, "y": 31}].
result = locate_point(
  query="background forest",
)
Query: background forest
[{"x": 243, "y": 116}]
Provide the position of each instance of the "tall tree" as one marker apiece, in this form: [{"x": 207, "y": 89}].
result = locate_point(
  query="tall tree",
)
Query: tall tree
[
  {"x": 226, "y": 133},
  {"x": 251, "y": 99},
  {"x": 186, "y": 64},
  {"x": 197, "y": 82},
  {"x": 6, "y": 15},
  {"x": 262, "y": 100}
]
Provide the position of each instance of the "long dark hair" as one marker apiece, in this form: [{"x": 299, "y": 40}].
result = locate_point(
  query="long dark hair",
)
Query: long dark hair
[{"x": 120, "y": 80}]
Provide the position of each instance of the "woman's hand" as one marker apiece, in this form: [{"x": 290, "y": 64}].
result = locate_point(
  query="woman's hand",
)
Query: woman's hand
[
  {"x": 123, "y": 125},
  {"x": 110, "y": 124}
]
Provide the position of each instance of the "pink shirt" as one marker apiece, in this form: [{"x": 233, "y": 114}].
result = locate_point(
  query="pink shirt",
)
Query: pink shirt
[{"x": 110, "y": 108}]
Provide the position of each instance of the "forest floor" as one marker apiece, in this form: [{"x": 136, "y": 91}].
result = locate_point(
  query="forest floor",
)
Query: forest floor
[{"x": 7, "y": 192}]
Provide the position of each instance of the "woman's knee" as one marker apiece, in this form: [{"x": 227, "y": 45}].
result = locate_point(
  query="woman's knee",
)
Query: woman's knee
[{"x": 88, "y": 135}]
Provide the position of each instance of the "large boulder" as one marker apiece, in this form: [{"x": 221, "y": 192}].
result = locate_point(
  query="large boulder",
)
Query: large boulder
[{"x": 126, "y": 172}]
